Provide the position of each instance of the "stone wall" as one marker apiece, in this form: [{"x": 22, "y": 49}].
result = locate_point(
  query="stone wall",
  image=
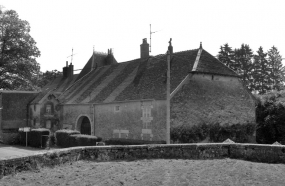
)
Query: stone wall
[
  {"x": 143, "y": 119},
  {"x": 251, "y": 152}
]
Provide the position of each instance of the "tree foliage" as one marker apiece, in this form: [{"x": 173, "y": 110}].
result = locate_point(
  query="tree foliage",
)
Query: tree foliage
[
  {"x": 46, "y": 77},
  {"x": 243, "y": 64},
  {"x": 226, "y": 56},
  {"x": 18, "y": 53},
  {"x": 261, "y": 72},
  {"x": 270, "y": 118},
  {"x": 277, "y": 70}
]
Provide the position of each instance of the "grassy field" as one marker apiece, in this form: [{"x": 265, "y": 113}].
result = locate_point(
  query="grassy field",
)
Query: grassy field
[{"x": 154, "y": 172}]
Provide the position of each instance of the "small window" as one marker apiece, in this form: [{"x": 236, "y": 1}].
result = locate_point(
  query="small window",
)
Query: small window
[
  {"x": 48, "y": 109},
  {"x": 48, "y": 124},
  {"x": 146, "y": 125},
  {"x": 117, "y": 108}
]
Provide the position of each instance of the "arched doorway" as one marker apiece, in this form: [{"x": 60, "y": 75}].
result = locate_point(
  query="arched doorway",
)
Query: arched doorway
[{"x": 84, "y": 125}]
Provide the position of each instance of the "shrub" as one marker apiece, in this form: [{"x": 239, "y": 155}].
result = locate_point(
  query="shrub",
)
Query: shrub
[
  {"x": 122, "y": 141},
  {"x": 84, "y": 140},
  {"x": 270, "y": 118},
  {"x": 240, "y": 133},
  {"x": 62, "y": 137},
  {"x": 36, "y": 139}
]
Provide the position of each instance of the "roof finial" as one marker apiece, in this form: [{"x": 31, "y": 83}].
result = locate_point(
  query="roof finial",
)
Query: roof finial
[
  {"x": 170, "y": 42},
  {"x": 200, "y": 45}
]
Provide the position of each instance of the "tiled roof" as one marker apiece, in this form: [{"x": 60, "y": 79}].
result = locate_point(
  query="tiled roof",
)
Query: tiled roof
[
  {"x": 209, "y": 64},
  {"x": 139, "y": 79},
  {"x": 56, "y": 86},
  {"x": 100, "y": 59}
]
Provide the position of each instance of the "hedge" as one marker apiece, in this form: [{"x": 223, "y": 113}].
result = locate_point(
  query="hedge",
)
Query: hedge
[
  {"x": 83, "y": 140},
  {"x": 123, "y": 141},
  {"x": 62, "y": 137},
  {"x": 35, "y": 137},
  {"x": 240, "y": 133}
]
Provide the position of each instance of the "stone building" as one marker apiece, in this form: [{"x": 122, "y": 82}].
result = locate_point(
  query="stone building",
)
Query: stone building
[
  {"x": 13, "y": 112},
  {"x": 128, "y": 99}
]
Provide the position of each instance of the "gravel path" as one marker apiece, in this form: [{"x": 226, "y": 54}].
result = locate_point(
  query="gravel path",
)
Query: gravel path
[{"x": 154, "y": 172}]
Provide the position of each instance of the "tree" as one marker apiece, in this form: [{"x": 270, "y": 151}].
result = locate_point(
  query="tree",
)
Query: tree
[
  {"x": 261, "y": 72},
  {"x": 48, "y": 76},
  {"x": 18, "y": 53},
  {"x": 277, "y": 70},
  {"x": 226, "y": 56},
  {"x": 270, "y": 118},
  {"x": 243, "y": 64}
]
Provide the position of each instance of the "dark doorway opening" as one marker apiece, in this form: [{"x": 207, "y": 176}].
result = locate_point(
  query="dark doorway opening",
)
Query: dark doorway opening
[{"x": 85, "y": 127}]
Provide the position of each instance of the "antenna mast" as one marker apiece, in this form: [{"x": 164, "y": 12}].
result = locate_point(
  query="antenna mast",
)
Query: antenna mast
[
  {"x": 150, "y": 32},
  {"x": 71, "y": 56},
  {"x": 149, "y": 38}
]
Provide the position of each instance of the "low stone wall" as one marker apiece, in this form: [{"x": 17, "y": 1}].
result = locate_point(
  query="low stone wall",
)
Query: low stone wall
[{"x": 252, "y": 152}]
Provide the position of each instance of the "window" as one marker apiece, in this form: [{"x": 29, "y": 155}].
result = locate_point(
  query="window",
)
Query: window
[
  {"x": 48, "y": 109},
  {"x": 146, "y": 125},
  {"x": 48, "y": 124},
  {"x": 117, "y": 108}
]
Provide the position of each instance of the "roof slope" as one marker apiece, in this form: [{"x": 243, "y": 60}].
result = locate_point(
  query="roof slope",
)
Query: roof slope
[
  {"x": 209, "y": 64},
  {"x": 140, "y": 78},
  {"x": 56, "y": 86},
  {"x": 100, "y": 59}
]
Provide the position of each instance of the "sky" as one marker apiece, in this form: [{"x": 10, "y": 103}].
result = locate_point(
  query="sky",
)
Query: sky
[{"x": 58, "y": 26}]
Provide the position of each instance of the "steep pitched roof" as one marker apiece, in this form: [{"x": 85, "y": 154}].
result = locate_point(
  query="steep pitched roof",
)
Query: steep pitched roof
[
  {"x": 100, "y": 59},
  {"x": 209, "y": 64},
  {"x": 56, "y": 86},
  {"x": 139, "y": 79}
]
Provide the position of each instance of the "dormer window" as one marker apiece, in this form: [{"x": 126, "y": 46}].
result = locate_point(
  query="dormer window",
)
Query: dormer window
[{"x": 48, "y": 109}]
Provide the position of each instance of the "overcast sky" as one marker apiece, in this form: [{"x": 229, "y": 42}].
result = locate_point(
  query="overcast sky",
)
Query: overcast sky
[{"x": 60, "y": 25}]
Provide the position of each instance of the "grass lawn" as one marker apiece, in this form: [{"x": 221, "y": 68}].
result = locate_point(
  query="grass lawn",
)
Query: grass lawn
[{"x": 154, "y": 172}]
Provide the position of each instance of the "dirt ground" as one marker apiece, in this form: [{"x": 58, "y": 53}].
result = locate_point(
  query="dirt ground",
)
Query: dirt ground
[{"x": 154, "y": 172}]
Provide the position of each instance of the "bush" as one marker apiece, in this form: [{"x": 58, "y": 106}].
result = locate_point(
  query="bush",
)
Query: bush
[
  {"x": 270, "y": 118},
  {"x": 240, "y": 133},
  {"x": 122, "y": 141},
  {"x": 84, "y": 140},
  {"x": 36, "y": 139},
  {"x": 62, "y": 137}
]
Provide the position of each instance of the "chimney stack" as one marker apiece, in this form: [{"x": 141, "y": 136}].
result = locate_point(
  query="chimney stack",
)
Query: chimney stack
[
  {"x": 65, "y": 70},
  {"x": 70, "y": 68},
  {"x": 144, "y": 49}
]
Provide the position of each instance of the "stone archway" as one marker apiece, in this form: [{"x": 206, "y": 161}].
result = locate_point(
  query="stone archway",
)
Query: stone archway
[{"x": 84, "y": 125}]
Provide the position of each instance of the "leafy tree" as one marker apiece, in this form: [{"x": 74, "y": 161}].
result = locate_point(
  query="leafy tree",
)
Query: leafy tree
[
  {"x": 18, "y": 53},
  {"x": 243, "y": 64},
  {"x": 270, "y": 118},
  {"x": 277, "y": 70},
  {"x": 261, "y": 72},
  {"x": 226, "y": 56},
  {"x": 48, "y": 76}
]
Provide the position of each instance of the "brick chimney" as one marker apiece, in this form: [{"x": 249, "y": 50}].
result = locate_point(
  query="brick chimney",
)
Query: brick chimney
[
  {"x": 144, "y": 49},
  {"x": 65, "y": 70},
  {"x": 70, "y": 68}
]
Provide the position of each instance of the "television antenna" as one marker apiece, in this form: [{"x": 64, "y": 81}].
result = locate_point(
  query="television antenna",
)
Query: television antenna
[
  {"x": 71, "y": 56},
  {"x": 150, "y": 32}
]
